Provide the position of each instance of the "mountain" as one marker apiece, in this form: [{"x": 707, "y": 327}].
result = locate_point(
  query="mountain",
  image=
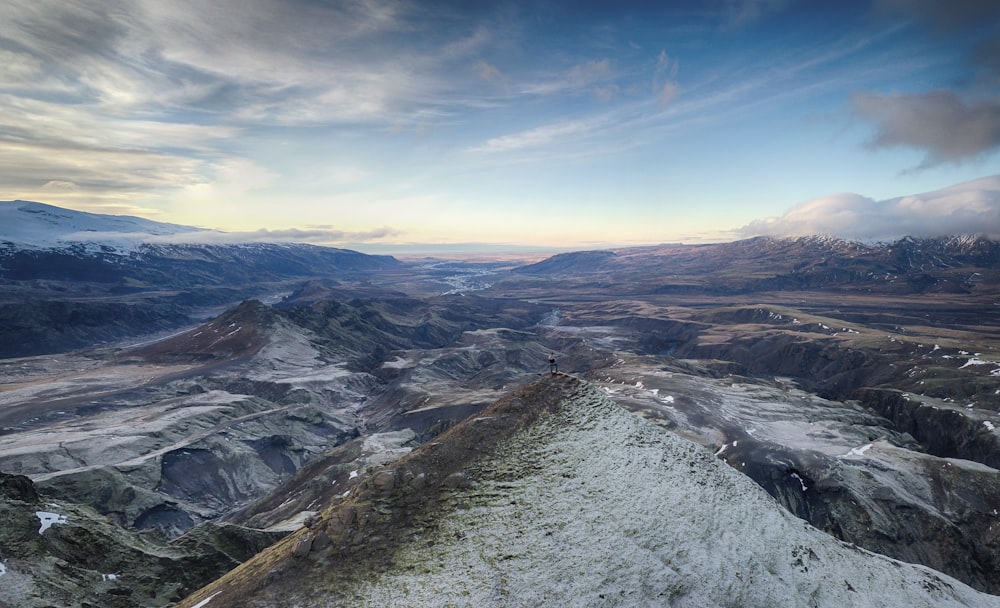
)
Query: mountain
[
  {"x": 42, "y": 242},
  {"x": 31, "y": 225},
  {"x": 556, "y": 496},
  {"x": 74, "y": 280},
  {"x": 957, "y": 264}
]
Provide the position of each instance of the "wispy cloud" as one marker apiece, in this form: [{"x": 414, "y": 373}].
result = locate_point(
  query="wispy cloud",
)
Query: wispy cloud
[
  {"x": 580, "y": 77},
  {"x": 542, "y": 136},
  {"x": 968, "y": 208},
  {"x": 108, "y": 101},
  {"x": 321, "y": 236}
]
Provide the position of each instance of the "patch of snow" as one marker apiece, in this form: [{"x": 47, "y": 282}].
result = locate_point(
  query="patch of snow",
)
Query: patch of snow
[
  {"x": 801, "y": 482},
  {"x": 109, "y": 577},
  {"x": 975, "y": 361},
  {"x": 397, "y": 363},
  {"x": 48, "y": 519},
  {"x": 668, "y": 399},
  {"x": 205, "y": 601},
  {"x": 859, "y": 452},
  {"x": 354, "y": 474},
  {"x": 3, "y": 569},
  {"x": 989, "y": 425}
]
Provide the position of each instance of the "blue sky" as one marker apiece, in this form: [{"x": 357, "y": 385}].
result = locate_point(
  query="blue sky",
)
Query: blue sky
[{"x": 383, "y": 124}]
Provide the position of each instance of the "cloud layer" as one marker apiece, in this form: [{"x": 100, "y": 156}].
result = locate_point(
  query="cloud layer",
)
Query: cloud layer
[{"x": 969, "y": 208}]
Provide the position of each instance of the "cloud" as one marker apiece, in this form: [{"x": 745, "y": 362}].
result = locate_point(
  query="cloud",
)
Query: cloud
[
  {"x": 128, "y": 100},
  {"x": 288, "y": 235},
  {"x": 580, "y": 77},
  {"x": 968, "y": 208},
  {"x": 540, "y": 136},
  {"x": 941, "y": 123},
  {"x": 664, "y": 84},
  {"x": 489, "y": 72},
  {"x": 950, "y": 125},
  {"x": 668, "y": 92}
]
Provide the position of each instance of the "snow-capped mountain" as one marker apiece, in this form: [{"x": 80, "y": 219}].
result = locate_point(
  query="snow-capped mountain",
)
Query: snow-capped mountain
[
  {"x": 39, "y": 241},
  {"x": 65, "y": 274},
  {"x": 31, "y": 225}
]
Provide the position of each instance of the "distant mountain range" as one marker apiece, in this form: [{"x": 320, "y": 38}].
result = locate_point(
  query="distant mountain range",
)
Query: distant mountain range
[
  {"x": 49, "y": 243},
  {"x": 954, "y": 264},
  {"x": 70, "y": 279}
]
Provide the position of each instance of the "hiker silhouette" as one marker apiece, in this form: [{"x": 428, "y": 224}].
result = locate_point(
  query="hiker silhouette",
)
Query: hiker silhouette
[{"x": 553, "y": 368}]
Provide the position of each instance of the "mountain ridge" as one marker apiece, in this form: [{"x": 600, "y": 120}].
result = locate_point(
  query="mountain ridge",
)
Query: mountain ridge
[{"x": 516, "y": 505}]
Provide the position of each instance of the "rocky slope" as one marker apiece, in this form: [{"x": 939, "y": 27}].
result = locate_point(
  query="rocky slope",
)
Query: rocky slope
[
  {"x": 556, "y": 496},
  {"x": 840, "y": 466},
  {"x": 54, "y": 553}
]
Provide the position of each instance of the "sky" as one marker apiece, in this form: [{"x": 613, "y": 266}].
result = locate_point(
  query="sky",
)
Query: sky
[{"x": 395, "y": 125}]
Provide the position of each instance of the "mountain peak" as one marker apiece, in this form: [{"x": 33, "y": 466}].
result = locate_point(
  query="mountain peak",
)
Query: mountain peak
[{"x": 239, "y": 332}]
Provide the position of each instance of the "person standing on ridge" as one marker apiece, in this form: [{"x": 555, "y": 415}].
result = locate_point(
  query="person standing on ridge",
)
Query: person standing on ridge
[{"x": 553, "y": 368}]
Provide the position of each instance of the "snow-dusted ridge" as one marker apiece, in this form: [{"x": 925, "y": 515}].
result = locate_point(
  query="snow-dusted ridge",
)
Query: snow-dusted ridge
[
  {"x": 586, "y": 505},
  {"x": 611, "y": 510}
]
